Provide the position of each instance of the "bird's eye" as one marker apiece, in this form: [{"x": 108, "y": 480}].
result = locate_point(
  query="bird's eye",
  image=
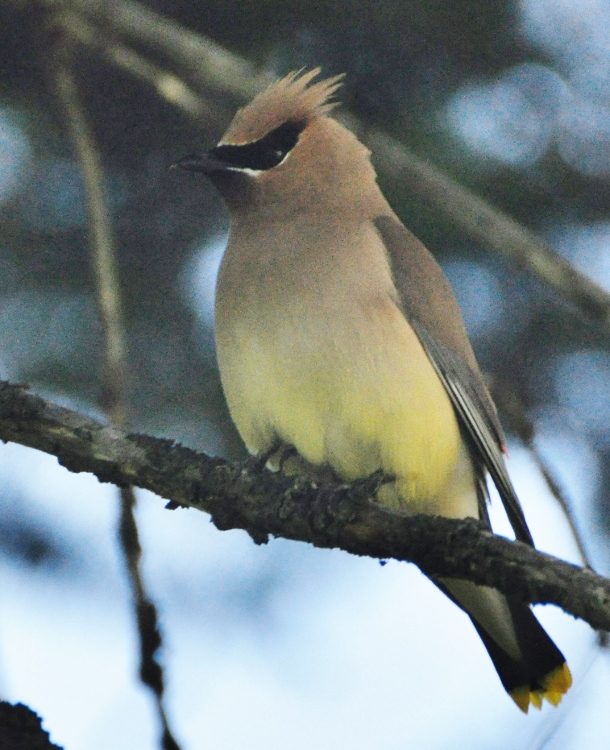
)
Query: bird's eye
[{"x": 265, "y": 153}]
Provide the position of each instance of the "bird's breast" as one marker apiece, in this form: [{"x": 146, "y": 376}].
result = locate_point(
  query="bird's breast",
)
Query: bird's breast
[{"x": 335, "y": 370}]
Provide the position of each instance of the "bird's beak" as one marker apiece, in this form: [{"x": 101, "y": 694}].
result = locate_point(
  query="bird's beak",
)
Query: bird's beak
[{"x": 206, "y": 163}]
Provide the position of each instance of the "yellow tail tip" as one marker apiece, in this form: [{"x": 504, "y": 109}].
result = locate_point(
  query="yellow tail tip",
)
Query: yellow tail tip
[{"x": 554, "y": 685}]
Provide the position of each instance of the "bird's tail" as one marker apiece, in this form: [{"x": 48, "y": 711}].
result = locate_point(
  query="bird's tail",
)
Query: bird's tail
[{"x": 529, "y": 664}]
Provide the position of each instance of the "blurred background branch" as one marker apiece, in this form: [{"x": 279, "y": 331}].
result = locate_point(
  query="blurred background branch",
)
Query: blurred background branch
[{"x": 203, "y": 66}]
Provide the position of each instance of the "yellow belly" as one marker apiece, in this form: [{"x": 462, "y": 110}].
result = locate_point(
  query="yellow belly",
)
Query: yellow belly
[{"x": 368, "y": 400}]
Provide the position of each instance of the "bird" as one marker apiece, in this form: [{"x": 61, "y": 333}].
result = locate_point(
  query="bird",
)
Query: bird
[{"x": 342, "y": 350}]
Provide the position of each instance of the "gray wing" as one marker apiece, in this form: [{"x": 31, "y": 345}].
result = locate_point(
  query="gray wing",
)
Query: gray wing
[
  {"x": 479, "y": 422},
  {"x": 430, "y": 306}
]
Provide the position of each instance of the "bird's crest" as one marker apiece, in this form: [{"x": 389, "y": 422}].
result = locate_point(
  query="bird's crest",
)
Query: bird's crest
[{"x": 289, "y": 99}]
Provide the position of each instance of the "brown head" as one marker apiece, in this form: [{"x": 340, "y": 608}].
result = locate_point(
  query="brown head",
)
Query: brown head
[{"x": 283, "y": 154}]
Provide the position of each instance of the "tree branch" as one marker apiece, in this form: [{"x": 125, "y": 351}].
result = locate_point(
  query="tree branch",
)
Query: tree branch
[{"x": 247, "y": 496}]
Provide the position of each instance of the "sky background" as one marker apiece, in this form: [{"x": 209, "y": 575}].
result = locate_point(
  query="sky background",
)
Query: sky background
[{"x": 287, "y": 645}]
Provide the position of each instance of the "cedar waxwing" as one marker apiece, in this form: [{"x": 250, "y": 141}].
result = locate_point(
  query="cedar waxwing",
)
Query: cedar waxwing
[{"x": 342, "y": 350}]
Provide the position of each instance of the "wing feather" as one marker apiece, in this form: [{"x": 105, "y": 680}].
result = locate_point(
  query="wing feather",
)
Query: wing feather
[{"x": 430, "y": 306}]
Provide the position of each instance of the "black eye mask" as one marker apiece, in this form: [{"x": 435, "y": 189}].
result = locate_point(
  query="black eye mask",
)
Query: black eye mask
[{"x": 265, "y": 153}]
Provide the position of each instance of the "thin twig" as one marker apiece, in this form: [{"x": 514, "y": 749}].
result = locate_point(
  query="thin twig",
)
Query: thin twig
[
  {"x": 113, "y": 397},
  {"x": 102, "y": 243},
  {"x": 514, "y": 411}
]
